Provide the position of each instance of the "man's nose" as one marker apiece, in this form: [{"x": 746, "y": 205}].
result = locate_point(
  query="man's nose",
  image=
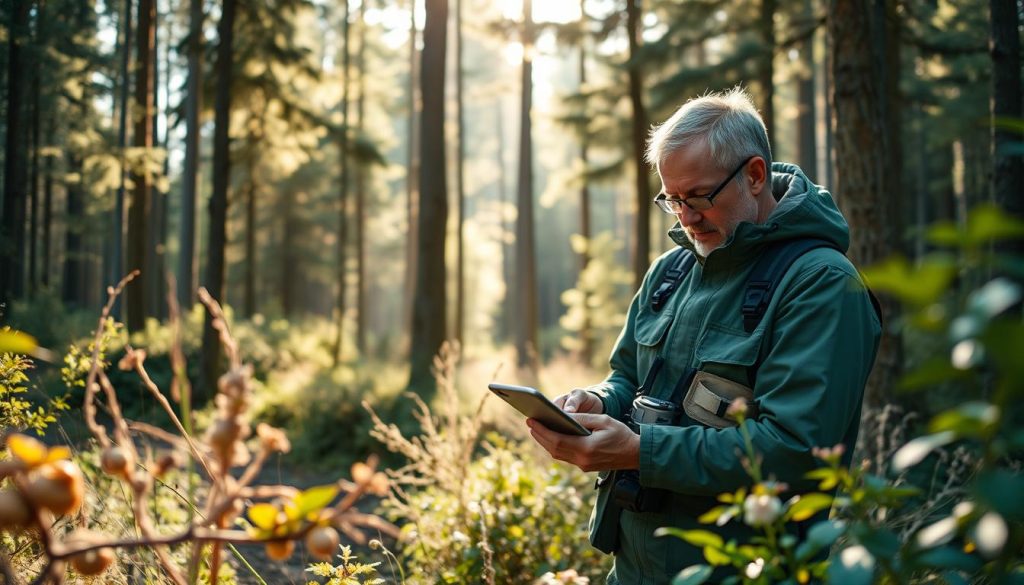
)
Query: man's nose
[{"x": 687, "y": 216}]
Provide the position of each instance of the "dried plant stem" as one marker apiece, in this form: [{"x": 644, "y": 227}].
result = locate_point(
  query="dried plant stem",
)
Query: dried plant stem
[{"x": 158, "y": 433}]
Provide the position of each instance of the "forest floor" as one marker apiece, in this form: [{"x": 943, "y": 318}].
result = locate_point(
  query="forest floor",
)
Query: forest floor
[{"x": 293, "y": 570}]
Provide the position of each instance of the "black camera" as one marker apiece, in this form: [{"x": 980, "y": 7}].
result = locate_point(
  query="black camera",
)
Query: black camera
[{"x": 627, "y": 491}]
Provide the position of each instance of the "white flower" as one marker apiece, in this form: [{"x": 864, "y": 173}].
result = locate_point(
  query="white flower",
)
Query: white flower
[
  {"x": 938, "y": 533},
  {"x": 857, "y": 555},
  {"x": 754, "y": 569},
  {"x": 914, "y": 451},
  {"x": 761, "y": 510},
  {"x": 459, "y": 537},
  {"x": 990, "y": 534}
]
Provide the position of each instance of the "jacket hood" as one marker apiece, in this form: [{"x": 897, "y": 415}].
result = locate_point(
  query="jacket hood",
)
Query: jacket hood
[{"x": 804, "y": 210}]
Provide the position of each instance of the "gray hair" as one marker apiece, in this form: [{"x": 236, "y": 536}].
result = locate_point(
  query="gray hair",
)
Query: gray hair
[{"x": 728, "y": 121}]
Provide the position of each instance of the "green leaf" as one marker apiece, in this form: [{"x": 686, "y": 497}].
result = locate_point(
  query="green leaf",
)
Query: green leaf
[
  {"x": 970, "y": 419},
  {"x": 919, "y": 286},
  {"x": 716, "y": 557},
  {"x": 932, "y": 372},
  {"x": 985, "y": 223},
  {"x": 880, "y": 542},
  {"x": 314, "y": 499},
  {"x": 712, "y": 515},
  {"x": 1000, "y": 489},
  {"x": 698, "y": 538},
  {"x": 945, "y": 557},
  {"x": 808, "y": 505},
  {"x": 694, "y": 575},
  {"x": 820, "y": 536},
  {"x": 17, "y": 342}
]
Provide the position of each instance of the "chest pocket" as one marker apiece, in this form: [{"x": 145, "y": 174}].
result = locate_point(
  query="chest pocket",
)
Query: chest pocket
[
  {"x": 729, "y": 354},
  {"x": 651, "y": 327}
]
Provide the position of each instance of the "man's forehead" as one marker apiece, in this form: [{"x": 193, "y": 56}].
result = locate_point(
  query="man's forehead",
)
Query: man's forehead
[{"x": 691, "y": 164}]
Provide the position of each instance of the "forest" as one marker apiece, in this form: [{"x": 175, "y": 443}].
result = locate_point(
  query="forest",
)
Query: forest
[{"x": 260, "y": 259}]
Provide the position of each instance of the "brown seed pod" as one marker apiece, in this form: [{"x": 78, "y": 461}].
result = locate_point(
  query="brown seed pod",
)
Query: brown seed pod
[
  {"x": 323, "y": 542},
  {"x": 279, "y": 550},
  {"x": 14, "y": 510},
  {"x": 92, "y": 562},
  {"x": 58, "y": 487},
  {"x": 115, "y": 461}
]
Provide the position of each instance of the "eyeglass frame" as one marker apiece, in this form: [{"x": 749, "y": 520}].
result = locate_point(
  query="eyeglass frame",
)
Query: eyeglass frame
[{"x": 704, "y": 202}]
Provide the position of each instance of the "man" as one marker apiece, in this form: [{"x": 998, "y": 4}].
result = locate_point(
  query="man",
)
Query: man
[{"x": 803, "y": 367}]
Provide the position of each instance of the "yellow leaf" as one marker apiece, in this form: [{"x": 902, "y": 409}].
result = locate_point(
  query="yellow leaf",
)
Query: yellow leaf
[
  {"x": 58, "y": 453},
  {"x": 715, "y": 556},
  {"x": 30, "y": 451},
  {"x": 263, "y": 516},
  {"x": 17, "y": 342}
]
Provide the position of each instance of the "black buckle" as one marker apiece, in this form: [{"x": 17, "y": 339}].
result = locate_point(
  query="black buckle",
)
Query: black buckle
[{"x": 756, "y": 297}]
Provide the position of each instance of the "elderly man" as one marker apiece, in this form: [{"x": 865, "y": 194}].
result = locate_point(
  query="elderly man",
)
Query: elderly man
[{"x": 691, "y": 345}]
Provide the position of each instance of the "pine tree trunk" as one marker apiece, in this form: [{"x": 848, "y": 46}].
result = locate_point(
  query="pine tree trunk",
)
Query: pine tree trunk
[
  {"x": 507, "y": 252},
  {"x": 187, "y": 283},
  {"x": 526, "y": 265},
  {"x": 361, "y": 171},
  {"x": 154, "y": 276},
  {"x": 642, "y": 231},
  {"x": 33, "y": 236},
  {"x": 12, "y": 228},
  {"x": 460, "y": 189},
  {"x": 429, "y": 303},
  {"x": 289, "y": 262},
  {"x": 862, "y": 147},
  {"x": 411, "y": 176},
  {"x": 249, "y": 287},
  {"x": 1004, "y": 47},
  {"x": 51, "y": 136},
  {"x": 118, "y": 219},
  {"x": 211, "y": 351},
  {"x": 139, "y": 208},
  {"x": 73, "y": 281},
  {"x": 766, "y": 69},
  {"x": 586, "y": 335},
  {"x": 343, "y": 146},
  {"x": 807, "y": 116}
]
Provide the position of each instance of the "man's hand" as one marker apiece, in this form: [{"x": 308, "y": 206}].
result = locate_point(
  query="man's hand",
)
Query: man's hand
[
  {"x": 580, "y": 401},
  {"x": 611, "y": 445}
]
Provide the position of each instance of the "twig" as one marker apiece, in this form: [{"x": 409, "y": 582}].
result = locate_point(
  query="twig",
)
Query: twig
[{"x": 8, "y": 572}]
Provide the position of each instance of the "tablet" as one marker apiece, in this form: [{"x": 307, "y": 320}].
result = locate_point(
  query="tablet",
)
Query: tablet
[{"x": 537, "y": 406}]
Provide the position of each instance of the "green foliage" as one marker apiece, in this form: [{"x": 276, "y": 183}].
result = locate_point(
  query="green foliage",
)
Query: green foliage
[
  {"x": 16, "y": 411},
  {"x": 977, "y": 539},
  {"x": 348, "y": 572}
]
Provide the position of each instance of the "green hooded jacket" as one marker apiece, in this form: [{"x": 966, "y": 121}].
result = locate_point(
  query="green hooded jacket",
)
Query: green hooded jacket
[{"x": 807, "y": 363}]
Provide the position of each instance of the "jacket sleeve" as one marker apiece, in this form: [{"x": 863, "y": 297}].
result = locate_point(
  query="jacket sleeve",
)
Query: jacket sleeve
[{"x": 809, "y": 388}]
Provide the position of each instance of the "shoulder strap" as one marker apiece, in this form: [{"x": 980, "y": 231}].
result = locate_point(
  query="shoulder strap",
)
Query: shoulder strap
[
  {"x": 769, "y": 270},
  {"x": 682, "y": 262}
]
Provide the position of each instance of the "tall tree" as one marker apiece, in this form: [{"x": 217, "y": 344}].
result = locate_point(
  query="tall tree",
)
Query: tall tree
[
  {"x": 219, "y": 197},
  {"x": 142, "y": 138},
  {"x": 460, "y": 190},
  {"x": 586, "y": 334},
  {"x": 807, "y": 151},
  {"x": 766, "y": 68},
  {"x": 12, "y": 228},
  {"x": 117, "y": 227},
  {"x": 642, "y": 196},
  {"x": 360, "y": 179},
  {"x": 345, "y": 160},
  {"x": 189, "y": 180},
  {"x": 411, "y": 173},
  {"x": 1004, "y": 47},
  {"x": 526, "y": 262},
  {"x": 428, "y": 314},
  {"x": 863, "y": 144}
]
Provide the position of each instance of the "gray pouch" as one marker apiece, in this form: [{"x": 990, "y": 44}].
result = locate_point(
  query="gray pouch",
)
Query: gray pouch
[
  {"x": 709, "y": 396},
  {"x": 604, "y": 521}
]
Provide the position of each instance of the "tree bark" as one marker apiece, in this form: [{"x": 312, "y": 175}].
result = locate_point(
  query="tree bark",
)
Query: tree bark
[
  {"x": 361, "y": 171},
  {"x": 586, "y": 335},
  {"x": 187, "y": 271},
  {"x": 118, "y": 220},
  {"x": 766, "y": 70},
  {"x": 807, "y": 116},
  {"x": 136, "y": 295},
  {"x": 249, "y": 287},
  {"x": 460, "y": 190},
  {"x": 51, "y": 136},
  {"x": 642, "y": 230},
  {"x": 429, "y": 303},
  {"x": 411, "y": 175},
  {"x": 1004, "y": 47},
  {"x": 33, "y": 235},
  {"x": 526, "y": 264},
  {"x": 218, "y": 208},
  {"x": 342, "y": 257},
  {"x": 12, "y": 228},
  {"x": 863, "y": 145}
]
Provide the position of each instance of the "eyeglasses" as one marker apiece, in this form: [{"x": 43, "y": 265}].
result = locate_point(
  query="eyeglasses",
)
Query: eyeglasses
[{"x": 704, "y": 203}]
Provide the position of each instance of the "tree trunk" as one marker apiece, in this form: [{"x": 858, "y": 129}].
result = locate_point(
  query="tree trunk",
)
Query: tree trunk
[
  {"x": 142, "y": 138},
  {"x": 12, "y": 229},
  {"x": 210, "y": 360},
  {"x": 411, "y": 175},
  {"x": 154, "y": 276},
  {"x": 1004, "y": 47},
  {"x": 249, "y": 287},
  {"x": 343, "y": 193},
  {"x": 33, "y": 236},
  {"x": 73, "y": 282},
  {"x": 118, "y": 223},
  {"x": 586, "y": 335},
  {"x": 642, "y": 231},
  {"x": 361, "y": 170},
  {"x": 289, "y": 262},
  {"x": 51, "y": 136},
  {"x": 187, "y": 283},
  {"x": 807, "y": 116},
  {"x": 507, "y": 252},
  {"x": 526, "y": 265},
  {"x": 429, "y": 302},
  {"x": 766, "y": 68},
  {"x": 460, "y": 189},
  {"x": 862, "y": 146}
]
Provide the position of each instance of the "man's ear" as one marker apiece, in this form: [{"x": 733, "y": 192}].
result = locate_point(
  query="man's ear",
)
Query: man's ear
[{"x": 757, "y": 173}]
